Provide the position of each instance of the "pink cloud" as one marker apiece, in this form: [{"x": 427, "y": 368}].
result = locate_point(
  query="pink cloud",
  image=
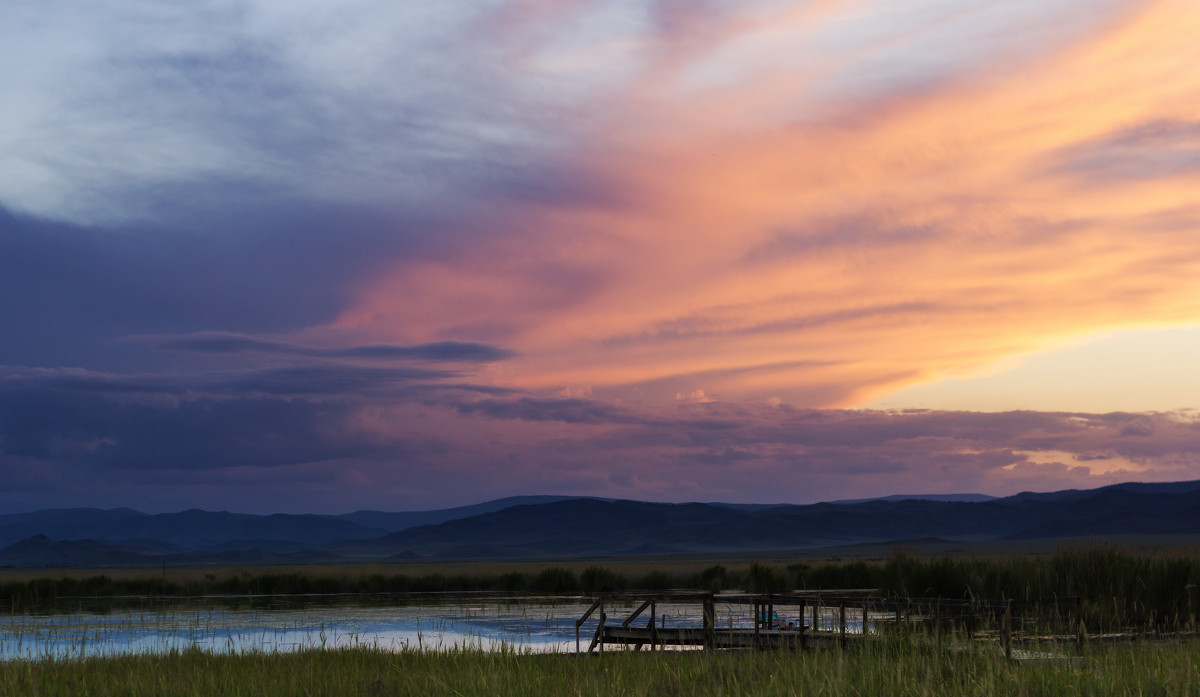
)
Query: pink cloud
[{"x": 826, "y": 256}]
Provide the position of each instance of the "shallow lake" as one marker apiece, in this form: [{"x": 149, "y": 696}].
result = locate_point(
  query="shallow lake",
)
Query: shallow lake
[{"x": 226, "y": 625}]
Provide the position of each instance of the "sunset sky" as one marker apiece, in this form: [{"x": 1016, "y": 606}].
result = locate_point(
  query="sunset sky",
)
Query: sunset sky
[{"x": 300, "y": 256}]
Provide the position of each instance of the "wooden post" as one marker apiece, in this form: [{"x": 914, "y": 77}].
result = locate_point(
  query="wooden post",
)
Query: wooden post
[
  {"x": 710, "y": 624},
  {"x": 598, "y": 638},
  {"x": 641, "y": 608},
  {"x": 579, "y": 622}
]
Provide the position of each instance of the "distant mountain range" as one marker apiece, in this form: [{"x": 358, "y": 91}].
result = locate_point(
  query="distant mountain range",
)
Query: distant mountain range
[{"x": 565, "y": 527}]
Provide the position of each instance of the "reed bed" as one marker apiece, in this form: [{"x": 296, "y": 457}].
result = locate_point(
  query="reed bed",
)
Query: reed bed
[
  {"x": 1121, "y": 588},
  {"x": 908, "y": 666}
]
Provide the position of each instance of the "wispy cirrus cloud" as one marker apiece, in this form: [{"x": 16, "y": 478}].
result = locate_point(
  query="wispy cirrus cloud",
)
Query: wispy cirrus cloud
[{"x": 925, "y": 235}]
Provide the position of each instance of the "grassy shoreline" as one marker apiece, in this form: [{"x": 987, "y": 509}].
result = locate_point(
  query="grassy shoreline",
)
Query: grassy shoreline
[{"x": 886, "y": 668}]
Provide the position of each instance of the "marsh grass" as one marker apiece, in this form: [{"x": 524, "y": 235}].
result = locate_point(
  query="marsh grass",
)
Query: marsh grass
[
  {"x": 1150, "y": 590},
  {"x": 896, "y": 666},
  {"x": 1121, "y": 588}
]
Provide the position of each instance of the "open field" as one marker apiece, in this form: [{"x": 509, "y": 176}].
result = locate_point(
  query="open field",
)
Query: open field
[{"x": 884, "y": 668}]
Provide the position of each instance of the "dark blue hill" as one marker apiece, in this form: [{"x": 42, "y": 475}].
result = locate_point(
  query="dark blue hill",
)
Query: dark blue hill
[
  {"x": 402, "y": 520},
  {"x": 61, "y": 523},
  {"x": 41, "y": 550},
  {"x": 566, "y": 527},
  {"x": 587, "y": 527},
  {"x": 192, "y": 529}
]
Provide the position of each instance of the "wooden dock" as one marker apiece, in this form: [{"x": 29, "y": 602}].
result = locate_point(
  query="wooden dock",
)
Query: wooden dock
[{"x": 820, "y": 620}]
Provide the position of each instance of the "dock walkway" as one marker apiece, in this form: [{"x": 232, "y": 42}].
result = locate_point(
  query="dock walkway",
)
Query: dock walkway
[{"x": 818, "y": 620}]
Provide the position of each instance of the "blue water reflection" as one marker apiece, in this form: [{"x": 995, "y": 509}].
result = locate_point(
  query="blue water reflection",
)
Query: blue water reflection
[{"x": 525, "y": 624}]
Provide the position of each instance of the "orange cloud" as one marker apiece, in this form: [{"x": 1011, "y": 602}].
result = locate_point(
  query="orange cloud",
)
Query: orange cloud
[{"x": 797, "y": 238}]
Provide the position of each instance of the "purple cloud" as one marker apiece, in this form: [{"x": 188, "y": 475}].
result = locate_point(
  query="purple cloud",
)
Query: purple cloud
[
  {"x": 438, "y": 351},
  {"x": 432, "y": 433}
]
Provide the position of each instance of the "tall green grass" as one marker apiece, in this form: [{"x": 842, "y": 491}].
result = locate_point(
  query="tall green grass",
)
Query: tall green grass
[
  {"x": 1120, "y": 588},
  {"x": 895, "y": 667}
]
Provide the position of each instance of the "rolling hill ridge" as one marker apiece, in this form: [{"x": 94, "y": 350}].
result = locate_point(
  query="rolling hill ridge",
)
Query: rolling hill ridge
[{"x": 565, "y": 527}]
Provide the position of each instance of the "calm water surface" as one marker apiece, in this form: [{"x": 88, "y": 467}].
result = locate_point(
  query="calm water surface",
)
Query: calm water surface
[{"x": 280, "y": 625}]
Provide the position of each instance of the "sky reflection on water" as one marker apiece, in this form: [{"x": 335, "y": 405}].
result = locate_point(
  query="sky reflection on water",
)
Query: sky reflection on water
[{"x": 526, "y": 625}]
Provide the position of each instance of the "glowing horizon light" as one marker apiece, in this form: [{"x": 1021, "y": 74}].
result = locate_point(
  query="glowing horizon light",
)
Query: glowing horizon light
[{"x": 1147, "y": 370}]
